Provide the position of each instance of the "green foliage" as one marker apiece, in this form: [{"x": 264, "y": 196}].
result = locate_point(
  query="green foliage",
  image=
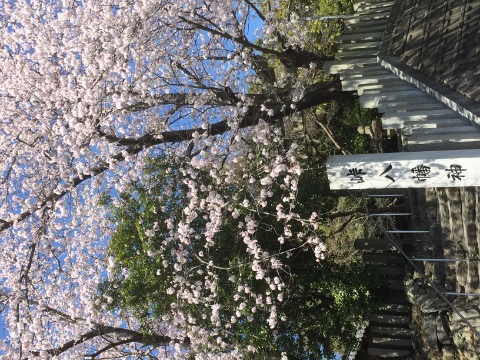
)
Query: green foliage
[
  {"x": 344, "y": 122},
  {"x": 324, "y": 303},
  {"x": 321, "y": 32},
  {"x": 329, "y": 303},
  {"x": 140, "y": 208}
]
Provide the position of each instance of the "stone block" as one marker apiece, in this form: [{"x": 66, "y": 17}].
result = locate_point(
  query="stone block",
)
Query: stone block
[
  {"x": 425, "y": 297},
  {"x": 463, "y": 337},
  {"x": 390, "y": 320},
  {"x": 354, "y": 37},
  {"x": 371, "y": 101},
  {"x": 448, "y": 353},
  {"x": 429, "y": 326},
  {"x": 387, "y": 353},
  {"x": 432, "y": 124},
  {"x": 362, "y": 46},
  {"x": 359, "y": 54},
  {"x": 382, "y": 89},
  {"x": 391, "y": 332}
]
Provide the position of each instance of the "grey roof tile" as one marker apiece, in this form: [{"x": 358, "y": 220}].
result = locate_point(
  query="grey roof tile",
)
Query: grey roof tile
[{"x": 441, "y": 39}]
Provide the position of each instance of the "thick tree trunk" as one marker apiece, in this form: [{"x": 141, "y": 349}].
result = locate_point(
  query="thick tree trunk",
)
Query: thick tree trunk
[{"x": 297, "y": 58}]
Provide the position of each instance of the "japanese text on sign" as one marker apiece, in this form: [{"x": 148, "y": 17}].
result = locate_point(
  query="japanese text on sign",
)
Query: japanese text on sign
[
  {"x": 404, "y": 170},
  {"x": 421, "y": 173}
]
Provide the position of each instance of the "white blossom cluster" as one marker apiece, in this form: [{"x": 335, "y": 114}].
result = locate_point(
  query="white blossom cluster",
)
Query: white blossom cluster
[
  {"x": 214, "y": 204},
  {"x": 88, "y": 91}
]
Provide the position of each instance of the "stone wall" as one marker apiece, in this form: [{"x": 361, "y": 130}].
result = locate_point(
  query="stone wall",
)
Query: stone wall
[{"x": 451, "y": 216}]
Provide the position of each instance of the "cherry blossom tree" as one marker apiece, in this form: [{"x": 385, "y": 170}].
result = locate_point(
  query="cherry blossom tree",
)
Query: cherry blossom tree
[
  {"x": 89, "y": 92},
  {"x": 320, "y": 303}
]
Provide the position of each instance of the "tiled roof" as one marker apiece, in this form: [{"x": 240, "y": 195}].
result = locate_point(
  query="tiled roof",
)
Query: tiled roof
[
  {"x": 441, "y": 38},
  {"x": 428, "y": 114}
]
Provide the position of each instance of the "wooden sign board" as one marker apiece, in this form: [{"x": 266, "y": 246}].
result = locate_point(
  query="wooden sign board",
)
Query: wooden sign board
[{"x": 456, "y": 168}]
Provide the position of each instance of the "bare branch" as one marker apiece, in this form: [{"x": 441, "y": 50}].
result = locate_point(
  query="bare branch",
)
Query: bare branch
[
  {"x": 361, "y": 211},
  {"x": 24, "y": 275},
  {"x": 343, "y": 226},
  {"x": 9, "y": 171},
  {"x": 240, "y": 40},
  {"x": 254, "y": 8},
  {"x": 332, "y": 137}
]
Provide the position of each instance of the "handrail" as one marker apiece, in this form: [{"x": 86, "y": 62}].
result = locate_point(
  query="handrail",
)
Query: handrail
[{"x": 422, "y": 275}]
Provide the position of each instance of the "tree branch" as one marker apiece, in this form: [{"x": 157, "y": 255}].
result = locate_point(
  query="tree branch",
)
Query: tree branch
[
  {"x": 343, "y": 226},
  {"x": 333, "y": 139},
  {"x": 101, "y": 330},
  {"x": 221, "y": 97},
  {"x": 111, "y": 346},
  {"x": 9, "y": 170},
  {"x": 256, "y": 10},
  {"x": 291, "y": 56},
  {"x": 314, "y": 95},
  {"x": 361, "y": 211}
]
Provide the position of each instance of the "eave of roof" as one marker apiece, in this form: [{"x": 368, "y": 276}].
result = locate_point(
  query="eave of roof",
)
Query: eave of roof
[
  {"x": 429, "y": 115},
  {"x": 435, "y": 45}
]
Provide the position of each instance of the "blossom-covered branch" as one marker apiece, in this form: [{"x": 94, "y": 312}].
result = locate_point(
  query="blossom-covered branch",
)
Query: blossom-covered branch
[{"x": 141, "y": 144}]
